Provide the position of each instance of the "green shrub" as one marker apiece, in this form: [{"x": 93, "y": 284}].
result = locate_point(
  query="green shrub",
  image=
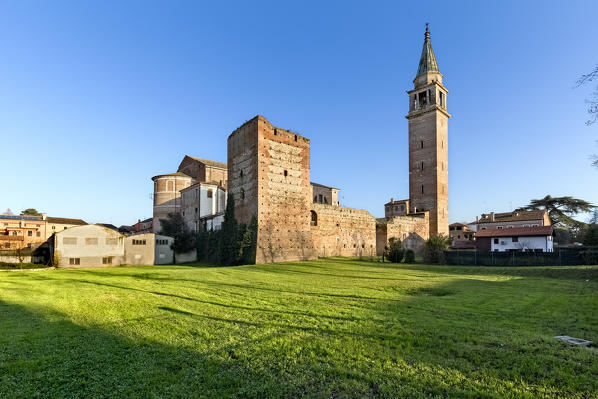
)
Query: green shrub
[
  {"x": 590, "y": 257},
  {"x": 409, "y": 256},
  {"x": 434, "y": 248},
  {"x": 395, "y": 250}
]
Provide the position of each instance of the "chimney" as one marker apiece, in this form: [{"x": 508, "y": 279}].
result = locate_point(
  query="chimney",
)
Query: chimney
[
  {"x": 43, "y": 216},
  {"x": 392, "y": 200},
  {"x": 492, "y": 216},
  {"x": 476, "y": 218}
]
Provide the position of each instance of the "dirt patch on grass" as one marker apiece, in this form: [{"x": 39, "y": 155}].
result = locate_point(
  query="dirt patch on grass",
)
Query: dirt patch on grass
[{"x": 431, "y": 291}]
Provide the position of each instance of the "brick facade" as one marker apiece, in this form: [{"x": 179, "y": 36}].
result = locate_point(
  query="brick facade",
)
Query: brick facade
[
  {"x": 342, "y": 231},
  {"x": 269, "y": 170}
]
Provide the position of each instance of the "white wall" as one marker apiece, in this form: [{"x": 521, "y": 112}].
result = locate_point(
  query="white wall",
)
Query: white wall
[
  {"x": 89, "y": 254},
  {"x": 506, "y": 243},
  {"x": 164, "y": 254}
]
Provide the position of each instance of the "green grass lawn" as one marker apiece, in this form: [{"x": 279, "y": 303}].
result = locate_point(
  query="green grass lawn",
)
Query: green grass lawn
[{"x": 329, "y": 328}]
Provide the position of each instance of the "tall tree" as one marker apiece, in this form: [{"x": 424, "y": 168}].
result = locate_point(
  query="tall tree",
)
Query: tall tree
[
  {"x": 561, "y": 209},
  {"x": 174, "y": 226},
  {"x": 30, "y": 212},
  {"x": 229, "y": 247}
]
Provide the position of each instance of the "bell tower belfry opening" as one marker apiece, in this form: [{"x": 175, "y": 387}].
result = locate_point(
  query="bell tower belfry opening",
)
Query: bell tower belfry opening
[{"x": 428, "y": 142}]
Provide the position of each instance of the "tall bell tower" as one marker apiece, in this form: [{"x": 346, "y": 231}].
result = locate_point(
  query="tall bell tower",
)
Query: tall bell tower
[{"x": 428, "y": 142}]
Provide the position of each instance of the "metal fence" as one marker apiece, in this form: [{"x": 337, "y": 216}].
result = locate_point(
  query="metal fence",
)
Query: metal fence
[{"x": 562, "y": 257}]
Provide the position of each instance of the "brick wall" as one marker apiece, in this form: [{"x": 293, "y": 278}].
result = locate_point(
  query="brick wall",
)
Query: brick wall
[
  {"x": 342, "y": 231},
  {"x": 269, "y": 177},
  {"x": 412, "y": 230}
]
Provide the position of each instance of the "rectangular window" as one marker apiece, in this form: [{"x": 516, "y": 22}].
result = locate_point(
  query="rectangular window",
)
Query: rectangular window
[
  {"x": 209, "y": 193},
  {"x": 422, "y": 188},
  {"x": 421, "y": 144},
  {"x": 91, "y": 241},
  {"x": 30, "y": 233},
  {"x": 138, "y": 242},
  {"x": 69, "y": 240},
  {"x": 107, "y": 260},
  {"x": 111, "y": 241},
  {"x": 74, "y": 261},
  {"x": 441, "y": 98},
  {"x": 38, "y": 234},
  {"x": 422, "y": 166},
  {"x": 496, "y": 240},
  {"x": 515, "y": 239}
]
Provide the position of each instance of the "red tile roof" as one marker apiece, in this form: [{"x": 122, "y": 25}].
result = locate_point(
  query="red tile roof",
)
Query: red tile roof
[{"x": 516, "y": 232}]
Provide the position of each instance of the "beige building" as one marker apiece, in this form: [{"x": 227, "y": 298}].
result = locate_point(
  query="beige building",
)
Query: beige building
[
  {"x": 25, "y": 231},
  {"x": 508, "y": 220},
  {"x": 55, "y": 224},
  {"x": 148, "y": 249},
  {"x": 89, "y": 246},
  {"x": 22, "y": 231},
  {"x": 324, "y": 194},
  {"x": 96, "y": 246}
]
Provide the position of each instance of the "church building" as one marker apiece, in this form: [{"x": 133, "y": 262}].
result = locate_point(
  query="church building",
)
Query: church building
[{"x": 268, "y": 175}]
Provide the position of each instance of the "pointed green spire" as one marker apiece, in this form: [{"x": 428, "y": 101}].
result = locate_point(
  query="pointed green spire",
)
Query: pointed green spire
[{"x": 427, "y": 62}]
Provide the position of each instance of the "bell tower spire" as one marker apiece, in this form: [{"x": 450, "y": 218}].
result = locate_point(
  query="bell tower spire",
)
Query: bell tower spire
[
  {"x": 427, "y": 61},
  {"x": 428, "y": 141}
]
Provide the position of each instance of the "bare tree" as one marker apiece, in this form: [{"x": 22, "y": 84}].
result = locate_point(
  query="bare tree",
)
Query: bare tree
[{"x": 592, "y": 102}]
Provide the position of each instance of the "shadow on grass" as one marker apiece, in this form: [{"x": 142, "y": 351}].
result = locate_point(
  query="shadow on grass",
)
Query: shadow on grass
[{"x": 46, "y": 355}]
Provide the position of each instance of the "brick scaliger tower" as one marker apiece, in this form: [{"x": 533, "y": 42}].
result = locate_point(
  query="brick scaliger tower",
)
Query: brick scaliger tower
[{"x": 428, "y": 142}]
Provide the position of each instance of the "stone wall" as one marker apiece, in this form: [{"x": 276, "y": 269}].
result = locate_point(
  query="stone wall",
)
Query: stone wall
[
  {"x": 341, "y": 231},
  {"x": 412, "y": 230}
]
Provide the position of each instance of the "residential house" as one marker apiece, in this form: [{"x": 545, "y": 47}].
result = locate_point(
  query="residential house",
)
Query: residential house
[
  {"x": 57, "y": 224},
  {"x": 518, "y": 239},
  {"x": 509, "y": 220}
]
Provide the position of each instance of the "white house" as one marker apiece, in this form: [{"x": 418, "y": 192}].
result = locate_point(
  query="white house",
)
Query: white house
[{"x": 521, "y": 239}]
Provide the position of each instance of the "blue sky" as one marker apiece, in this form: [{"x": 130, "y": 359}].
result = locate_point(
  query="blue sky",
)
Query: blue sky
[{"x": 96, "y": 97}]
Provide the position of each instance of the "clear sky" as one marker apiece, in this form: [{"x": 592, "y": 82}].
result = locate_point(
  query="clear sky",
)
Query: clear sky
[{"x": 96, "y": 97}]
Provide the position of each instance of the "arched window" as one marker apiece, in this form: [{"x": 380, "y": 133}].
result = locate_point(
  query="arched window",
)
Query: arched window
[
  {"x": 242, "y": 194},
  {"x": 314, "y": 218}
]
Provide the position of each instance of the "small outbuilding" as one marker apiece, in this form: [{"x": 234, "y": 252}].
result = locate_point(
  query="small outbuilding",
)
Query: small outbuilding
[{"x": 97, "y": 245}]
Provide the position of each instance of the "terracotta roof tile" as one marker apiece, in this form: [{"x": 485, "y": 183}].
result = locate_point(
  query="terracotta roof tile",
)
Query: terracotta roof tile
[{"x": 516, "y": 232}]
